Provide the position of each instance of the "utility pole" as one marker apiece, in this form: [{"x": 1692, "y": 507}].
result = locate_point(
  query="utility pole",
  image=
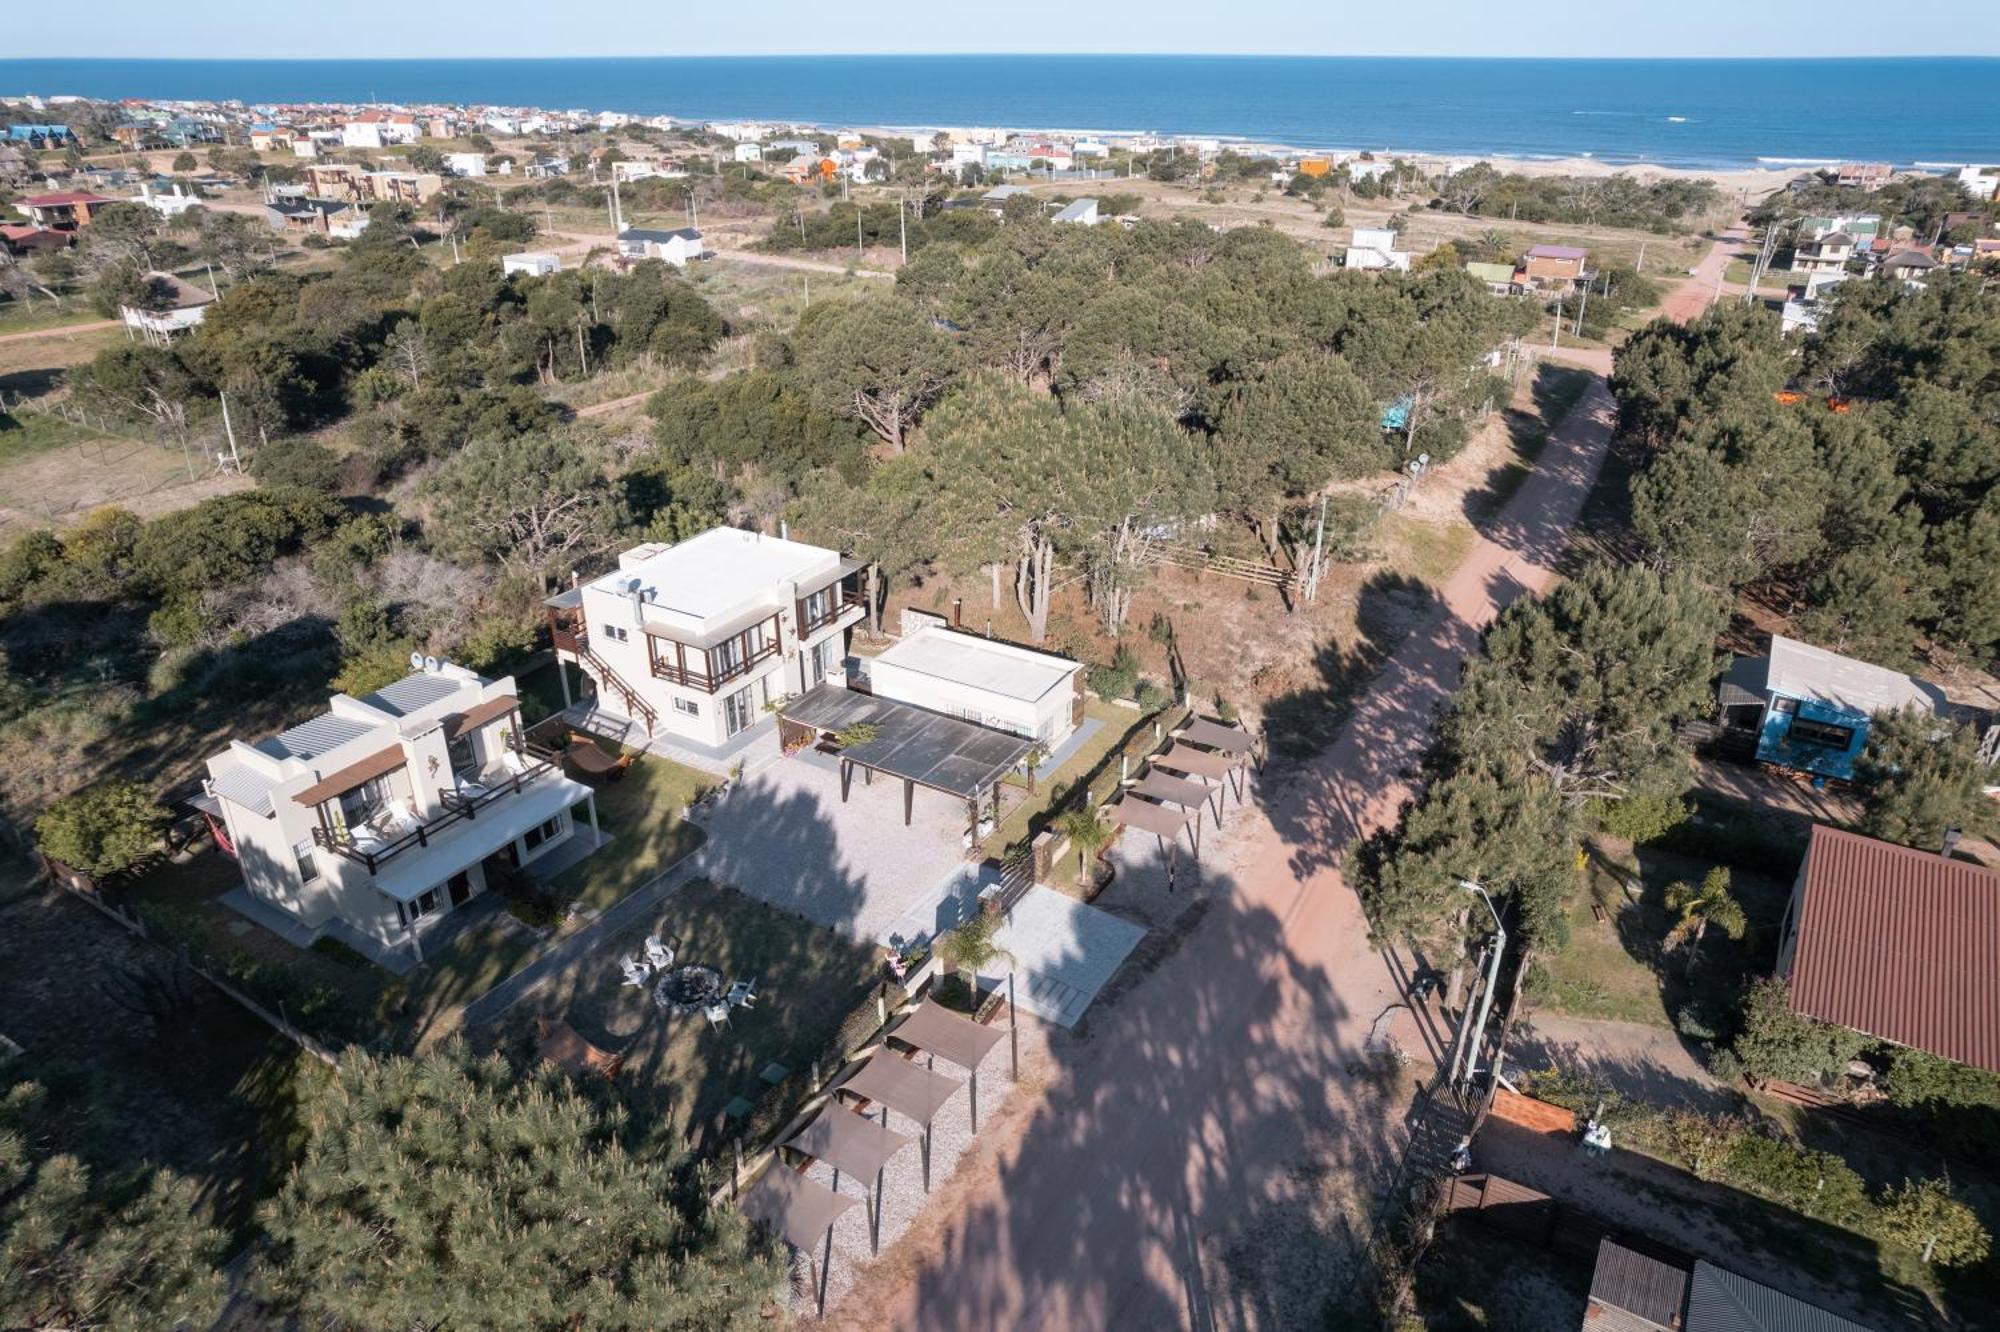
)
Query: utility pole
[
  {"x": 235, "y": 459},
  {"x": 1555, "y": 330},
  {"x": 1470, "y": 1052},
  {"x": 902, "y": 229},
  {"x": 1582, "y": 304}
]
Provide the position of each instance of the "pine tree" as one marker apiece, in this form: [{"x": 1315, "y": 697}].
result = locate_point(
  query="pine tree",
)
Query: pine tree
[{"x": 449, "y": 1191}]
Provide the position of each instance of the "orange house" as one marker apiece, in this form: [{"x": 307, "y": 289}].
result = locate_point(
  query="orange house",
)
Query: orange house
[
  {"x": 1315, "y": 166},
  {"x": 66, "y": 211}
]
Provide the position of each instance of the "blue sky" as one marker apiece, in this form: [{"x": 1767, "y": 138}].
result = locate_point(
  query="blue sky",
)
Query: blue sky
[{"x": 399, "y": 28}]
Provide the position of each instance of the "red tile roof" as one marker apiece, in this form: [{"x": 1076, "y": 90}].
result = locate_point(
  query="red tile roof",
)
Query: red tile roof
[
  {"x": 1901, "y": 945},
  {"x": 66, "y": 197}
]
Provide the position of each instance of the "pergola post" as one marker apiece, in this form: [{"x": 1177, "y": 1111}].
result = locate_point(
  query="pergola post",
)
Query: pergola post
[
  {"x": 909, "y": 799},
  {"x": 975, "y": 1098},
  {"x": 1013, "y": 1033},
  {"x": 927, "y": 1156},
  {"x": 595, "y": 832},
  {"x": 875, "y": 1214},
  {"x": 825, "y": 1267},
  {"x": 846, "y": 778}
]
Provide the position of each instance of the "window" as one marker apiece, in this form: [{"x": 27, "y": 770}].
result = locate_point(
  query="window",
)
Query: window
[
  {"x": 464, "y": 759},
  {"x": 421, "y": 907},
  {"x": 687, "y": 707},
  {"x": 724, "y": 657},
  {"x": 737, "y": 711},
  {"x": 308, "y": 867},
  {"x": 1806, "y": 731},
  {"x": 1787, "y": 706},
  {"x": 364, "y": 802},
  {"x": 617, "y": 633},
  {"x": 546, "y": 832},
  {"x": 817, "y": 606}
]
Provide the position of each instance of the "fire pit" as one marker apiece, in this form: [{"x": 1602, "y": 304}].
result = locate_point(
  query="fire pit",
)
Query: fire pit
[{"x": 688, "y": 989}]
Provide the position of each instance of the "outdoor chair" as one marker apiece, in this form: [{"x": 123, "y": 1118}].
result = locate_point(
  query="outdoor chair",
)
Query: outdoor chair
[
  {"x": 743, "y": 994},
  {"x": 658, "y": 954},
  {"x": 717, "y": 1015},
  {"x": 636, "y": 972}
]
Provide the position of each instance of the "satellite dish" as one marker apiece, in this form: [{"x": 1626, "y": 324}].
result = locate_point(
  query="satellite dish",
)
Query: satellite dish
[
  {"x": 416, "y": 661},
  {"x": 430, "y": 663}
]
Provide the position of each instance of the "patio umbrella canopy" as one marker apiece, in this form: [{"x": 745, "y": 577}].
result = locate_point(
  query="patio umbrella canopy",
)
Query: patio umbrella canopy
[
  {"x": 848, "y": 1141},
  {"x": 948, "y": 1035},
  {"x": 907, "y": 1088},
  {"x": 798, "y": 1208},
  {"x": 1229, "y": 739}
]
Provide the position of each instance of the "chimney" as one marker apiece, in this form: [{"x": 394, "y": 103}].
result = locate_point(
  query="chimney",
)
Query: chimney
[
  {"x": 958, "y": 612},
  {"x": 1951, "y": 836}
]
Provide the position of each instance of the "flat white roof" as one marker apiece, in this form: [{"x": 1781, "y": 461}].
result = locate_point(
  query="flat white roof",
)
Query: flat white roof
[
  {"x": 722, "y": 570},
  {"x": 1801, "y": 670},
  {"x": 981, "y": 663}
]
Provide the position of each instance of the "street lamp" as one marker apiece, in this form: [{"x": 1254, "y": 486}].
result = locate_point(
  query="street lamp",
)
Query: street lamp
[{"x": 1465, "y": 1054}]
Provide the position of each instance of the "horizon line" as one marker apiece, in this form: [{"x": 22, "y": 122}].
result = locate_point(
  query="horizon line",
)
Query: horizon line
[{"x": 956, "y": 55}]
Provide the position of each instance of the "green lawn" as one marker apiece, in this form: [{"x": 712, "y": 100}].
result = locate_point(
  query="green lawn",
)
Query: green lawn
[
  {"x": 1095, "y": 761},
  {"x": 1617, "y": 968},
  {"x": 641, "y": 812},
  {"x": 679, "y": 1072}
]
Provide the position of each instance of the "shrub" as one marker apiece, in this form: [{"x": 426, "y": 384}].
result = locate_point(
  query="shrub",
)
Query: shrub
[
  {"x": 103, "y": 829},
  {"x": 1819, "y": 1184},
  {"x": 1120, "y": 678},
  {"x": 1775, "y": 1042},
  {"x": 1923, "y": 1215},
  {"x": 1916, "y": 1078},
  {"x": 1641, "y": 818},
  {"x": 299, "y": 461}
]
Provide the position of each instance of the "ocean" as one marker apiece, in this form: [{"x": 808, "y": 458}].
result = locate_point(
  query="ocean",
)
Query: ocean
[{"x": 1711, "y": 114}]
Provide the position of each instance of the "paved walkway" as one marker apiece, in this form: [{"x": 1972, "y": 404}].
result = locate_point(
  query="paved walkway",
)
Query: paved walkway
[{"x": 1222, "y": 1115}]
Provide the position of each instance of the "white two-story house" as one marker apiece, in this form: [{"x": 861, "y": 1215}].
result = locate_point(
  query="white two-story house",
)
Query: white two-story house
[
  {"x": 385, "y": 813},
  {"x": 690, "y": 641}
]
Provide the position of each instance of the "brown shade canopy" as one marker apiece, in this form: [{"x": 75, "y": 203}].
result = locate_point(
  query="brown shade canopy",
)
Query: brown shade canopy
[
  {"x": 848, "y": 1141},
  {"x": 798, "y": 1208},
  {"x": 1201, "y": 762},
  {"x": 476, "y": 716},
  {"x": 1160, "y": 820},
  {"x": 1173, "y": 790},
  {"x": 346, "y": 779},
  {"x": 1229, "y": 739},
  {"x": 907, "y": 1088},
  {"x": 950, "y": 1036}
]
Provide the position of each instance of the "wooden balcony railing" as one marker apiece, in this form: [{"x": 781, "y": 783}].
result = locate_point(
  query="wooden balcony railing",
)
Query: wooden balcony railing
[{"x": 457, "y": 805}]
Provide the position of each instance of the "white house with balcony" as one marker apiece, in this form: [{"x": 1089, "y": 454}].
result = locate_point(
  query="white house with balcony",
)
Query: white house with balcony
[
  {"x": 377, "y": 819},
  {"x": 172, "y": 306},
  {"x": 688, "y": 642}
]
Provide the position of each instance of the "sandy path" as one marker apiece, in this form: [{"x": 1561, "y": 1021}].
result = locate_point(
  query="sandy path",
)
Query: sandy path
[
  {"x": 1197, "y": 1131},
  {"x": 59, "y": 331}
]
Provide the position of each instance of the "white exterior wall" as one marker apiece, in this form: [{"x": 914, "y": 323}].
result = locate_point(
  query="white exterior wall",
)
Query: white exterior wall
[
  {"x": 1046, "y": 720},
  {"x": 268, "y": 845}
]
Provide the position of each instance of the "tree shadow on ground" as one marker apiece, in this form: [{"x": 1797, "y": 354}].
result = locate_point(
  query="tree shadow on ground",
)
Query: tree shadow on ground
[
  {"x": 1205, "y": 1156},
  {"x": 1627, "y": 1191},
  {"x": 1305, "y": 721},
  {"x": 680, "y": 1071}
]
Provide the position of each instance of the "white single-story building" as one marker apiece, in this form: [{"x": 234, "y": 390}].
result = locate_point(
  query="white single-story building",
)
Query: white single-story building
[
  {"x": 180, "y": 307},
  {"x": 1375, "y": 248},
  {"x": 999, "y": 685},
  {"x": 1083, "y": 213},
  {"x": 676, "y": 246},
  {"x": 535, "y": 263},
  {"x": 748, "y": 152}
]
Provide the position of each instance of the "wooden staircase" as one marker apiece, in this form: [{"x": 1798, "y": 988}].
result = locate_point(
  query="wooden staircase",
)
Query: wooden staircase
[{"x": 635, "y": 704}]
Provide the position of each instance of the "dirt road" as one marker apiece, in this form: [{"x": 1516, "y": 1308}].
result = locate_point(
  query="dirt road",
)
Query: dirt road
[
  {"x": 1190, "y": 1154},
  {"x": 59, "y": 330}
]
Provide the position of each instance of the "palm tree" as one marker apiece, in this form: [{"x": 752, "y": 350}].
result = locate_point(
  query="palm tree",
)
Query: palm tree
[
  {"x": 1699, "y": 908},
  {"x": 971, "y": 946},
  {"x": 1090, "y": 833}
]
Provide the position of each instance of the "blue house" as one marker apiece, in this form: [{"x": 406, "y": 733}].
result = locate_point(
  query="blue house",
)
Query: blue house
[
  {"x": 1809, "y": 709},
  {"x": 40, "y": 136}
]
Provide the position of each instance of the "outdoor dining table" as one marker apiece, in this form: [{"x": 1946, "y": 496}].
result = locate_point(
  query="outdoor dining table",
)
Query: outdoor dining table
[{"x": 688, "y": 989}]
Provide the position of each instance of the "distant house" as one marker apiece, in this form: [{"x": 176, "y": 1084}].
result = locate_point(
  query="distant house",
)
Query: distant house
[
  {"x": 535, "y": 263},
  {"x": 27, "y": 239},
  {"x": 1553, "y": 267},
  {"x": 676, "y": 246},
  {"x": 1635, "y": 1292},
  {"x": 269, "y": 138},
  {"x": 1315, "y": 166},
  {"x": 1822, "y": 254},
  {"x": 1863, "y": 228},
  {"x": 1374, "y": 248},
  {"x": 39, "y": 137},
  {"x": 68, "y": 210},
  {"x": 543, "y": 168},
  {"x": 414, "y": 187},
  {"x": 1810, "y": 709},
  {"x": 1083, "y": 212},
  {"x": 1499, "y": 278},
  {"x": 747, "y": 152},
  {"x": 1799, "y": 317},
  {"x": 379, "y": 129},
  {"x": 166, "y": 205},
  {"x": 1981, "y": 182},
  {"x": 176, "y": 307},
  {"x": 998, "y": 685},
  {"x": 303, "y": 215},
  {"x": 1896, "y": 943},
  {"x": 995, "y": 199},
  {"x": 1864, "y": 175},
  {"x": 1911, "y": 266},
  {"x": 647, "y": 169},
  {"x": 305, "y": 146},
  {"x": 465, "y": 164},
  {"x": 334, "y": 180}
]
